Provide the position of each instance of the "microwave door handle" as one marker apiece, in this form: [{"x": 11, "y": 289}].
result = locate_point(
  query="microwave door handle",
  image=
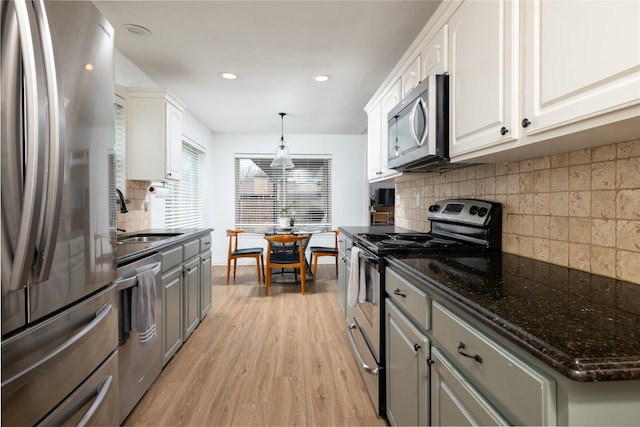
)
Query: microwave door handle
[
  {"x": 412, "y": 122},
  {"x": 56, "y": 143},
  {"x": 34, "y": 150},
  {"x": 425, "y": 113}
]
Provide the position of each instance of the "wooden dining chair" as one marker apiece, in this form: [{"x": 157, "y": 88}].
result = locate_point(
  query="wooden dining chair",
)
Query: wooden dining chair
[
  {"x": 235, "y": 253},
  {"x": 318, "y": 251},
  {"x": 279, "y": 258}
]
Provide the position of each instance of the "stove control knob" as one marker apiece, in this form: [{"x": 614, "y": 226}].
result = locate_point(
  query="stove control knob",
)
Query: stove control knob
[
  {"x": 482, "y": 212},
  {"x": 434, "y": 208},
  {"x": 473, "y": 210}
]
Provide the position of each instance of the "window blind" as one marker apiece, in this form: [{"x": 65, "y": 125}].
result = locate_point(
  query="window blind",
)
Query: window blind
[
  {"x": 120, "y": 147},
  {"x": 184, "y": 205},
  {"x": 261, "y": 191}
]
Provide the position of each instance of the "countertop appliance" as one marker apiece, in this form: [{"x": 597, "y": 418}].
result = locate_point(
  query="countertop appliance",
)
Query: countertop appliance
[
  {"x": 457, "y": 226},
  {"x": 59, "y": 316},
  {"x": 138, "y": 364},
  {"x": 419, "y": 127}
]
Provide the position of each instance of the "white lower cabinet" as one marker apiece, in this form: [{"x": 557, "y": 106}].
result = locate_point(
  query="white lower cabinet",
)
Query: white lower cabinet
[{"x": 407, "y": 370}]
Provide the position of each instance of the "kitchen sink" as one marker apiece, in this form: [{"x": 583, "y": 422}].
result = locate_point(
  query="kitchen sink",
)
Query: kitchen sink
[{"x": 146, "y": 237}]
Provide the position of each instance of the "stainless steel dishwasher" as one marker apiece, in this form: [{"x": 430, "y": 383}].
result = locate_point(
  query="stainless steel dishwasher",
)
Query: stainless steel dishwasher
[{"x": 138, "y": 364}]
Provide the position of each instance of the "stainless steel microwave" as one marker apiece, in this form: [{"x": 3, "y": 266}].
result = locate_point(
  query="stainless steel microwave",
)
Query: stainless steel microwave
[{"x": 419, "y": 127}]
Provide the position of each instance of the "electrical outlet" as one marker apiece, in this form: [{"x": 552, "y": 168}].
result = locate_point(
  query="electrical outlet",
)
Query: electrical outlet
[
  {"x": 397, "y": 200},
  {"x": 417, "y": 200}
]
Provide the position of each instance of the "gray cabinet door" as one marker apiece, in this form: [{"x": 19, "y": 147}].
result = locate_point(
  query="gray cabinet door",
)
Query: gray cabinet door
[
  {"x": 172, "y": 337},
  {"x": 454, "y": 401},
  {"x": 191, "y": 296},
  {"x": 205, "y": 283},
  {"x": 407, "y": 371}
]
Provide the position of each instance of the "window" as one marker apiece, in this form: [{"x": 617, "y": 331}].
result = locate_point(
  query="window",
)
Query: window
[
  {"x": 120, "y": 144},
  {"x": 262, "y": 192},
  {"x": 184, "y": 205}
]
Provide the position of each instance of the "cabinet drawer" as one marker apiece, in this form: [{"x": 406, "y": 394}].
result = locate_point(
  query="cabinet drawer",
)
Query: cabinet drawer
[
  {"x": 171, "y": 258},
  {"x": 191, "y": 249},
  {"x": 205, "y": 243},
  {"x": 412, "y": 300},
  {"x": 525, "y": 395}
]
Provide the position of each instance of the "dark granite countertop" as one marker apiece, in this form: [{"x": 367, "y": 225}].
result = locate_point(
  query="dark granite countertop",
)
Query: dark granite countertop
[
  {"x": 585, "y": 326},
  {"x": 127, "y": 252}
]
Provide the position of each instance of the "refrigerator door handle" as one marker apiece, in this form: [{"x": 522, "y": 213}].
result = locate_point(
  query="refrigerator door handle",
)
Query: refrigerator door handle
[
  {"x": 102, "y": 393},
  {"x": 56, "y": 145},
  {"x": 102, "y": 314},
  {"x": 34, "y": 151}
]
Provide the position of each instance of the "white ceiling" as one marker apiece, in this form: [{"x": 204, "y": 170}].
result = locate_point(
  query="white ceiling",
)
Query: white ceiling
[{"x": 275, "y": 47}]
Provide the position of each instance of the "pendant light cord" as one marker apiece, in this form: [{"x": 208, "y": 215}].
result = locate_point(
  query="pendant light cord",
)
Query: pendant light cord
[{"x": 282, "y": 128}]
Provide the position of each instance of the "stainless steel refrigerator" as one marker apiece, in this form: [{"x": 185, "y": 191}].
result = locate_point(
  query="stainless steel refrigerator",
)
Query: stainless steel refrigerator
[{"x": 59, "y": 315}]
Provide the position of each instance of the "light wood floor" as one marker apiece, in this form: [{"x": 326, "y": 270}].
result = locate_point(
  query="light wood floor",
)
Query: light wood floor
[{"x": 255, "y": 360}]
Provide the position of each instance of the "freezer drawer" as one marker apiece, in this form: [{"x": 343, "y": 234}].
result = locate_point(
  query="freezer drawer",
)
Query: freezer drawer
[
  {"x": 43, "y": 364},
  {"x": 94, "y": 403}
]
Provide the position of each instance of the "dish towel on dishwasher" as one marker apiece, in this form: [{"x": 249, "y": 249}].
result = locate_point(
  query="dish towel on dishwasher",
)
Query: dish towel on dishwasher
[
  {"x": 143, "y": 306},
  {"x": 357, "y": 288}
]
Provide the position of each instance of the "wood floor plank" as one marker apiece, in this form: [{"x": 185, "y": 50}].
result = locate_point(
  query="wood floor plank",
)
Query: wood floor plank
[{"x": 255, "y": 360}]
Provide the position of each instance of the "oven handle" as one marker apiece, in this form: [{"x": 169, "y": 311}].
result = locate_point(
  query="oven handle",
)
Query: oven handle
[
  {"x": 368, "y": 258},
  {"x": 367, "y": 368}
]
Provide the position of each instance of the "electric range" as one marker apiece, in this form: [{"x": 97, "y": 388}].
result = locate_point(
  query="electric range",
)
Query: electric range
[{"x": 457, "y": 226}]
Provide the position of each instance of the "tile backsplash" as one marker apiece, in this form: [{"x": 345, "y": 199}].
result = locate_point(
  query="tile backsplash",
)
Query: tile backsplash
[
  {"x": 579, "y": 209},
  {"x": 139, "y": 217}
]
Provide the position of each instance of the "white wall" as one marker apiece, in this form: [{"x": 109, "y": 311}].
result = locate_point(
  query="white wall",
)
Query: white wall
[
  {"x": 127, "y": 74},
  {"x": 349, "y": 185}
]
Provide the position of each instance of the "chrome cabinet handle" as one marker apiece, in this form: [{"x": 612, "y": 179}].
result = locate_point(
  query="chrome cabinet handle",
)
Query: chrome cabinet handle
[
  {"x": 102, "y": 393},
  {"x": 462, "y": 346},
  {"x": 399, "y": 293}
]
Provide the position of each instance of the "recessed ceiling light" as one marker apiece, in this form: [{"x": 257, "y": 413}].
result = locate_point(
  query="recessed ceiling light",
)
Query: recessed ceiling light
[
  {"x": 137, "y": 30},
  {"x": 228, "y": 76},
  {"x": 321, "y": 78}
]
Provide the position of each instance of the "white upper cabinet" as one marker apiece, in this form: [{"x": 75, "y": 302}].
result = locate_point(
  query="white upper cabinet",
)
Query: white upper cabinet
[
  {"x": 378, "y": 135},
  {"x": 434, "y": 54},
  {"x": 411, "y": 77},
  {"x": 581, "y": 59},
  {"x": 154, "y": 135},
  {"x": 374, "y": 120},
  {"x": 578, "y": 71},
  {"x": 483, "y": 41}
]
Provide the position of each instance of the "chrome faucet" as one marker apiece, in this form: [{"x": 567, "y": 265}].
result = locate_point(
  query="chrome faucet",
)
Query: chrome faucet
[{"x": 123, "y": 204}]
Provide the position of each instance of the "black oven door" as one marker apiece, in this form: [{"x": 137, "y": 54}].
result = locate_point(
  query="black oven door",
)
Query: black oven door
[{"x": 364, "y": 327}]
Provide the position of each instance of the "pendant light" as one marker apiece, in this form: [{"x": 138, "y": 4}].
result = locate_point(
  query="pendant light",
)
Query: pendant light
[{"x": 282, "y": 158}]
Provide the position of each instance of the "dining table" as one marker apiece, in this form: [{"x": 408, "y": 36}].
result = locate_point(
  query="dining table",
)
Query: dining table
[{"x": 302, "y": 229}]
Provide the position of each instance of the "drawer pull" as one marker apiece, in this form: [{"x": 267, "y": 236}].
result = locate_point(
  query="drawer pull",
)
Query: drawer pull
[
  {"x": 401, "y": 294},
  {"x": 461, "y": 351}
]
